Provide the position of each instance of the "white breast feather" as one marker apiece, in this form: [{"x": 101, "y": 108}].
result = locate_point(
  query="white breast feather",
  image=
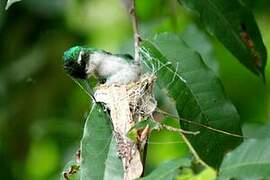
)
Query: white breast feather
[{"x": 114, "y": 69}]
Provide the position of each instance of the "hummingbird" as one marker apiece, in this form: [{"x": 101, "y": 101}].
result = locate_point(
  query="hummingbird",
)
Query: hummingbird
[{"x": 83, "y": 62}]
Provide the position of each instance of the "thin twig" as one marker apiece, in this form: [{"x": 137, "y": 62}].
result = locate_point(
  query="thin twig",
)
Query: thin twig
[
  {"x": 170, "y": 128},
  {"x": 137, "y": 38},
  {"x": 182, "y": 132},
  {"x": 198, "y": 124},
  {"x": 192, "y": 150},
  {"x": 144, "y": 156}
]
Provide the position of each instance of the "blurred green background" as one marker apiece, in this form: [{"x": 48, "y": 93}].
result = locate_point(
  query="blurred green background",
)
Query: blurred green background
[{"x": 42, "y": 111}]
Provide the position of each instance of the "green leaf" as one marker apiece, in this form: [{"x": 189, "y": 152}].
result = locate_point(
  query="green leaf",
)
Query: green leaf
[
  {"x": 10, "y": 2},
  {"x": 206, "y": 174},
  {"x": 152, "y": 124},
  {"x": 114, "y": 168},
  {"x": 198, "y": 40},
  {"x": 98, "y": 148},
  {"x": 168, "y": 170},
  {"x": 234, "y": 25},
  {"x": 256, "y": 131},
  {"x": 198, "y": 94},
  {"x": 251, "y": 160}
]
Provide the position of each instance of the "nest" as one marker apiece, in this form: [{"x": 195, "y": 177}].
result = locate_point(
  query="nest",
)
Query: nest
[
  {"x": 139, "y": 94},
  {"x": 142, "y": 101},
  {"x": 128, "y": 104}
]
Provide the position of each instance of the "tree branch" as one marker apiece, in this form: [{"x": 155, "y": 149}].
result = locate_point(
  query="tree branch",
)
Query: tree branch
[
  {"x": 137, "y": 38},
  {"x": 131, "y": 6}
]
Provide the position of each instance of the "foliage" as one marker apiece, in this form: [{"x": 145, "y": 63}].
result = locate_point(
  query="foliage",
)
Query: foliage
[
  {"x": 235, "y": 26},
  {"x": 10, "y": 2},
  {"x": 169, "y": 169},
  {"x": 249, "y": 161},
  {"x": 41, "y": 110},
  {"x": 98, "y": 148},
  {"x": 198, "y": 95}
]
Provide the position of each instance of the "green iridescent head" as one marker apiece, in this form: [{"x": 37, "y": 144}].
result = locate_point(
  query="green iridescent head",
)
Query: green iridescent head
[
  {"x": 72, "y": 54},
  {"x": 76, "y": 59}
]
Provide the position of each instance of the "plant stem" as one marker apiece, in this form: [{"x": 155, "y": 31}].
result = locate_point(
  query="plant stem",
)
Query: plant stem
[
  {"x": 198, "y": 124},
  {"x": 144, "y": 156},
  {"x": 170, "y": 128},
  {"x": 131, "y": 6},
  {"x": 192, "y": 150},
  {"x": 137, "y": 38}
]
